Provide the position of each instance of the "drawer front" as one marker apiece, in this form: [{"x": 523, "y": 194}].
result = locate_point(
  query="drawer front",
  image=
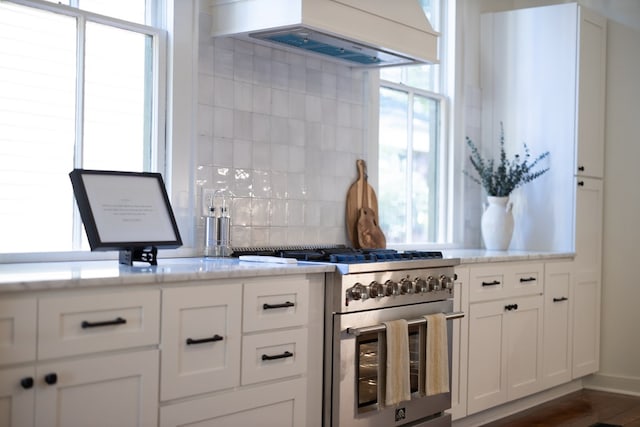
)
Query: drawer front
[
  {"x": 90, "y": 323},
  {"x": 528, "y": 279},
  {"x": 201, "y": 337},
  {"x": 487, "y": 283},
  {"x": 275, "y": 303},
  {"x": 18, "y": 330},
  {"x": 280, "y": 404},
  {"x": 274, "y": 355}
]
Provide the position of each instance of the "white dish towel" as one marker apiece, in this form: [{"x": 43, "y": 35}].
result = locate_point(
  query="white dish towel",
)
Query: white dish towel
[
  {"x": 437, "y": 372},
  {"x": 398, "y": 382}
]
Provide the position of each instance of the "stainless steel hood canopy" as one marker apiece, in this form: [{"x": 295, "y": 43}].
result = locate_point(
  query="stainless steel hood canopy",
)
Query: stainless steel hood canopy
[{"x": 360, "y": 33}]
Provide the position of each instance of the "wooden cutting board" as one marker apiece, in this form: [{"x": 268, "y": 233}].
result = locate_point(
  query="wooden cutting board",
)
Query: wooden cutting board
[{"x": 362, "y": 213}]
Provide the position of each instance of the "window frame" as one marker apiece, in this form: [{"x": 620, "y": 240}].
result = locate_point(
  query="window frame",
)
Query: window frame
[
  {"x": 450, "y": 230},
  {"x": 159, "y": 149}
]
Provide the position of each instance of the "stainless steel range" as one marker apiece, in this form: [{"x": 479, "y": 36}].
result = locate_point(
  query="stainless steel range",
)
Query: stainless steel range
[{"x": 367, "y": 289}]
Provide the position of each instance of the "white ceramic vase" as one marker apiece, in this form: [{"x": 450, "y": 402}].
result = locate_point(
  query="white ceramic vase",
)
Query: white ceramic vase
[{"x": 497, "y": 223}]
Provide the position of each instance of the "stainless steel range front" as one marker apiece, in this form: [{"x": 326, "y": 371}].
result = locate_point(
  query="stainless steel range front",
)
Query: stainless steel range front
[{"x": 360, "y": 297}]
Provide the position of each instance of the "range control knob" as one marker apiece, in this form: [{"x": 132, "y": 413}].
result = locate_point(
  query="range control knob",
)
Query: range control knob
[
  {"x": 390, "y": 288},
  {"x": 446, "y": 282},
  {"x": 433, "y": 283},
  {"x": 420, "y": 285},
  {"x": 357, "y": 292},
  {"x": 376, "y": 289},
  {"x": 406, "y": 286}
]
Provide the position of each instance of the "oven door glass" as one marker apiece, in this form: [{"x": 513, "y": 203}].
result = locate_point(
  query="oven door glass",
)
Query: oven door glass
[{"x": 371, "y": 367}]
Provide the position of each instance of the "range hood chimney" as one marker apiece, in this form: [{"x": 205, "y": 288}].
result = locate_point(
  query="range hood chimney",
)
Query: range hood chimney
[{"x": 360, "y": 33}]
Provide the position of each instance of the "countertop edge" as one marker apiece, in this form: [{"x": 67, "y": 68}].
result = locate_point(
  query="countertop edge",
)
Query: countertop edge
[{"x": 31, "y": 277}]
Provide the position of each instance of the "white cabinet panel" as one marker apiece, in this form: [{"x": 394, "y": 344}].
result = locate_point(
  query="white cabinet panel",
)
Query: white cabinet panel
[
  {"x": 277, "y": 304},
  {"x": 90, "y": 323},
  {"x": 117, "y": 390},
  {"x": 592, "y": 64},
  {"x": 274, "y": 355},
  {"x": 17, "y": 401},
  {"x": 201, "y": 338},
  {"x": 505, "y": 351},
  {"x": 276, "y": 405},
  {"x": 17, "y": 330},
  {"x": 586, "y": 324},
  {"x": 557, "y": 323}
]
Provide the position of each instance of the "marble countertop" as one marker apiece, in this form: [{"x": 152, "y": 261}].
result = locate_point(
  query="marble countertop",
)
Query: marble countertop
[
  {"x": 476, "y": 256},
  {"x": 88, "y": 274}
]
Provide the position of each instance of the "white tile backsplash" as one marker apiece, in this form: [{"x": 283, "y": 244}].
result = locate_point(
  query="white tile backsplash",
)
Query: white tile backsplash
[{"x": 282, "y": 131}]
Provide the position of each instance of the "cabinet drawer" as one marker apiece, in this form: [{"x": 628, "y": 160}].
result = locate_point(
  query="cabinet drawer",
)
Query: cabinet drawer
[
  {"x": 17, "y": 330},
  {"x": 201, "y": 337},
  {"x": 97, "y": 322},
  {"x": 486, "y": 283},
  {"x": 273, "y": 355},
  {"x": 528, "y": 279},
  {"x": 505, "y": 280},
  {"x": 275, "y": 405},
  {"x": 273, "y": 304}
]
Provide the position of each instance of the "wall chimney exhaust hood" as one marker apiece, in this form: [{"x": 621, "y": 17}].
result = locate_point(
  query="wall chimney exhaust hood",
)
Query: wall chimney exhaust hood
[{"x": 360, "y": 33}]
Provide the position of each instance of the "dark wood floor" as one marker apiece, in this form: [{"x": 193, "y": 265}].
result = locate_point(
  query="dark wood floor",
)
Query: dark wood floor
[{"x": 582, "y": 408}]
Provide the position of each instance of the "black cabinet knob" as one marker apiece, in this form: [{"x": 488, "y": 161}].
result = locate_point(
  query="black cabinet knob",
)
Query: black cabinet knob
[
  {"x": 26, "y": 383},
  {"x": 51, "y": 379},
  {"x": 580, "y": 168}
]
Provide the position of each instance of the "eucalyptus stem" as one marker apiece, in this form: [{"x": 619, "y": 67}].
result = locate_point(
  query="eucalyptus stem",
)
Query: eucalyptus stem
[{"x": 501, "y": 179}]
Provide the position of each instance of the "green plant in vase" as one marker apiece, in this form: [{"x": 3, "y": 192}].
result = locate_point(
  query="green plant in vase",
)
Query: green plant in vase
[{"x": 499, "y": 179}]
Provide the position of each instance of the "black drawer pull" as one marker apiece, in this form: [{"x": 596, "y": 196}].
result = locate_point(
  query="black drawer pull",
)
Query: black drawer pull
[
  {"x": 118, "y": 321},
  {"x": 51, "y": 379},
  {"x": 26, "y": 383},
  {"x": 494, "y": 283},
  {"x": 580, "y": 168},
  {"x": 510, "y": 307},
  {"x": 560, "y": 299},
  {"x": 216, "y": 337},
  {"x": 527, "y": 279},
  {"x": 580, "y": 183},
  {"x": 283, "y": 305},
  {"x": 277, "y": 356}
]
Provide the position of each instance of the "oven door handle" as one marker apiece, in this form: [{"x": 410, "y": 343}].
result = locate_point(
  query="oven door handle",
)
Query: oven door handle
[{"x": 413, "y": 322}]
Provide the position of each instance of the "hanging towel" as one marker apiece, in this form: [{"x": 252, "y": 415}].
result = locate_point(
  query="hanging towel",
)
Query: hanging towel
[
  {"x": 437, "y": 372},
  {"x": 398, "y": 383}
]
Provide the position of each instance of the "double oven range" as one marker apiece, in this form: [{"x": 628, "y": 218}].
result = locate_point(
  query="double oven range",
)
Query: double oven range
[{"x": 370, "y": 287}]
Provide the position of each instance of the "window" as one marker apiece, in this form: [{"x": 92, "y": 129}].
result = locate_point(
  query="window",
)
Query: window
[
  {"x": 413, "y": 186},
  {"x": 79, "y": 88}
]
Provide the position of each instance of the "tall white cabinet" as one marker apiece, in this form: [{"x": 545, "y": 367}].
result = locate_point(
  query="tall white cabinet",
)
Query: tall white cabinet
[{"x": 543, "y": 76}]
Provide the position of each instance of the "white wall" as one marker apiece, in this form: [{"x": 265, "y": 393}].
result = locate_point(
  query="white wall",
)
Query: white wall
[{"x": 620, "y": 355}]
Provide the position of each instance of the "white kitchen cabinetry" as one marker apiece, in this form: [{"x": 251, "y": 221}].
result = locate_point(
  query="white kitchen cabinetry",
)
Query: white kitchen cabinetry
[
  {"x": 587, "y": 283},
  {"x": 505, "y": 334},
  {"x": 93, "y": 366},
  {"x": 264, "y": 367},
  {"x": 592, "y": 51},
  {"x": 201, "y": 339},
  {"x": 558, "y": 343}
]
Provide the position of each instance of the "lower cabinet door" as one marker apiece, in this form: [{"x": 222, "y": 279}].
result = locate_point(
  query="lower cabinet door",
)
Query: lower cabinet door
[
  {"x": 116, "y": 390},
  {"x": 201, "y": 338},
  {"x": 276, "y": 405},
  {"x": 487, "y": 383},
  {"x": 524, "y": 347},
  {"x": 17, "y": 396}
]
